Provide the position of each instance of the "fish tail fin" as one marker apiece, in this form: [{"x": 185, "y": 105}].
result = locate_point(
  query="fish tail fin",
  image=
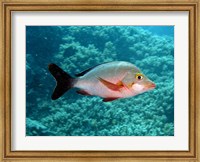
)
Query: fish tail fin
[{"x": 64, "y": 81}]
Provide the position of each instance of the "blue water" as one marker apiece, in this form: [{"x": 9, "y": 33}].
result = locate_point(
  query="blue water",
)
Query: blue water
[{"x": 77, "y": 48}]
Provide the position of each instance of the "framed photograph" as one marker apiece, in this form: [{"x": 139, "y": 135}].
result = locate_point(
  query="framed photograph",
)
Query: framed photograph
[{"x": 100, "y": 81}]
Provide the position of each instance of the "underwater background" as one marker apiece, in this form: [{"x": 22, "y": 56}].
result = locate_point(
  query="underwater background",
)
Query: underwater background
[{"x": 77, "y": 48}]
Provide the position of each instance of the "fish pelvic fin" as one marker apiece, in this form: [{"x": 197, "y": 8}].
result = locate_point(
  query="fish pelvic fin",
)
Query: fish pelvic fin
[
  {"x": 112, "y": 86},
  {"x": 109, "y": 99},
  {"x": 83, "y": 92},
  {"x": 64, "y": 81}
]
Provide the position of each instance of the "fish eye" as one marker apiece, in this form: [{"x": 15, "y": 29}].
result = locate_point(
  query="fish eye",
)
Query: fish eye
[{"x": 139, "y": 76}]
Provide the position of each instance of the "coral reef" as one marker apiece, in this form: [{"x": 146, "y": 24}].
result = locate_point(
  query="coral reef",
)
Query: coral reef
[
  {"x": 34, "y": 128},
  {"x": 77, "y": 48}
]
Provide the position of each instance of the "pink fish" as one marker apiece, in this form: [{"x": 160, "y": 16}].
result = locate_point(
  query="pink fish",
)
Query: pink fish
[{"x": 111, "y": 81}]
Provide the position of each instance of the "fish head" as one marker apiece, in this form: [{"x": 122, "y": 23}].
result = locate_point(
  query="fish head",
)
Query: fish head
[{"x": 141, "y": 83}]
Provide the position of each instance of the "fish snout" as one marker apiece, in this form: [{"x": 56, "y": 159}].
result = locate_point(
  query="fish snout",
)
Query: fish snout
[{"x": 151, "y": 85}]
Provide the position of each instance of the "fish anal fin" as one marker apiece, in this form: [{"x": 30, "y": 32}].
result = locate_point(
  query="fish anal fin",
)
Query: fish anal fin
[
  {"x": 109, "y": 99},
  {"x": 110, "y": 85},
  {"x": 82, "y": 92}
]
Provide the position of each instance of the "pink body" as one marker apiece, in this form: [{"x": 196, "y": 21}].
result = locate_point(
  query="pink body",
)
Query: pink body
[{"x": 114, "y": 72}]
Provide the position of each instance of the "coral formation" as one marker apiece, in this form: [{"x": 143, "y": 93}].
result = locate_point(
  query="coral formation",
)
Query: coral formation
[{"x": 77, "y": 48}]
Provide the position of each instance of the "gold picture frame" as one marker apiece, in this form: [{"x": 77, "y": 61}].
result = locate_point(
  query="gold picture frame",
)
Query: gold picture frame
[{"x": 192, "y": 6}]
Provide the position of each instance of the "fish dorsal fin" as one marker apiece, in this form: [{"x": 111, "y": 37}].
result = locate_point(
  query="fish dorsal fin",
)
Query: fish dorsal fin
[
  {"x": 110, "y": 85},
  {"x": 85, "y": 71}
]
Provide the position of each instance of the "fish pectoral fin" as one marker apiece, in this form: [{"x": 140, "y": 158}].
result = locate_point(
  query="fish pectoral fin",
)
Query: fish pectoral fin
[
  {"x": 109, "y": 99},
  {"x": 129, "y": 85},
  {"x": 110, "y": 85},
  {"x": 120, "y": 83},
  {"x": 82, "y": 92}
]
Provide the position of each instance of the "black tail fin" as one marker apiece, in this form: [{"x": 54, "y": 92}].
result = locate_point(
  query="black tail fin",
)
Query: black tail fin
[{"x": 64, "y": 81}]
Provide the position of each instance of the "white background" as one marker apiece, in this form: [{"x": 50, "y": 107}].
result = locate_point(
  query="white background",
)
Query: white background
[{"x": 177, "y": 142}]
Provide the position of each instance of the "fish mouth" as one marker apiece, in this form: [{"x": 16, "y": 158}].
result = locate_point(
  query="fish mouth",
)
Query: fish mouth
[{"x": 151, "y": 86}]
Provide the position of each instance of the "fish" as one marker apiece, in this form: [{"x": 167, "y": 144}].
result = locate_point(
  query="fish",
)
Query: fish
[{"x": 110, "y": 81}]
